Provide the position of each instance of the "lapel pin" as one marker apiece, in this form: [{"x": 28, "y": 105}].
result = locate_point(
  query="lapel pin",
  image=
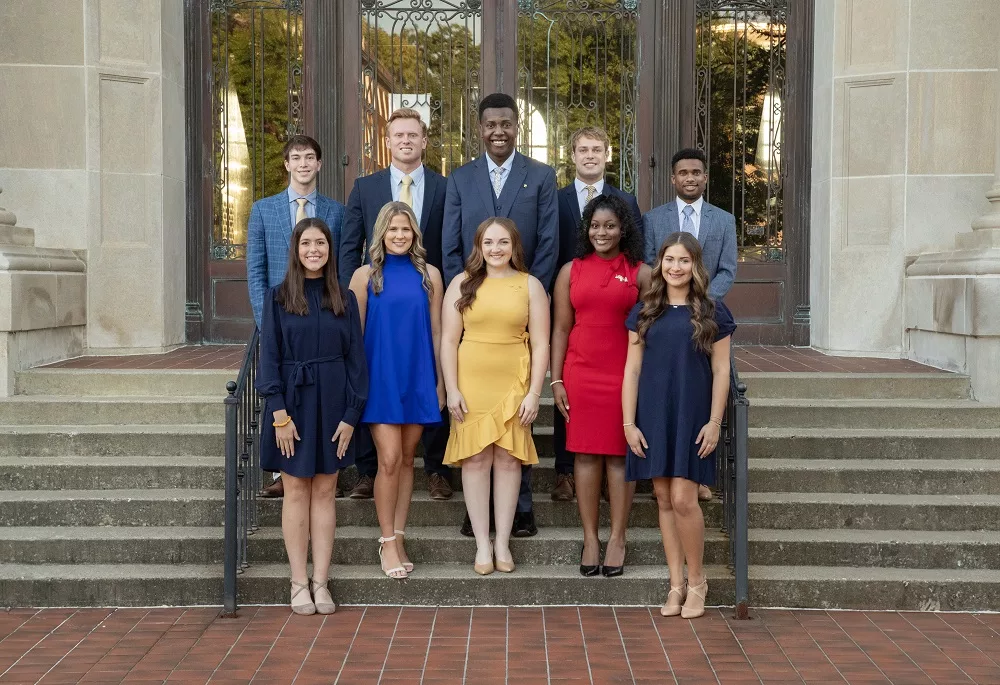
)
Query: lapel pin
[{"x": 525, "y": 185}]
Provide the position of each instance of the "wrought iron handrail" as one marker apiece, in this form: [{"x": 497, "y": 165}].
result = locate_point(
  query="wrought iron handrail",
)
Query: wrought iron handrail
[
  {"x": 732, "y": 482},
  {"x": 243, "y": 474}
]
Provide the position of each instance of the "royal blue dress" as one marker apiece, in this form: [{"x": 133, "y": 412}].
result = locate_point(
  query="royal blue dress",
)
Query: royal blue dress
[
  {"x": 399, "y": 347},
  {"x": 675, "y": 397},
  {"x": 312, "y": 366}
]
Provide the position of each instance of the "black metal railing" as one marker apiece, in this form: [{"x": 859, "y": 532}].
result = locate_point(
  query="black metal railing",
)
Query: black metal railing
[
  {"x": 732, "y": 483},
  {"x": 243, "y": 474}
]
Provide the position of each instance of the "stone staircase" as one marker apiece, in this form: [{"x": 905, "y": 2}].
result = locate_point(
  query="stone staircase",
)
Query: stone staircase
[{"x": 867, "y": 491}]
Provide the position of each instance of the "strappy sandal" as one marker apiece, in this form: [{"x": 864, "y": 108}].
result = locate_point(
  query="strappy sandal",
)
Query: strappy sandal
[
  {"x": 395, "y": 571},
  {"x": 321, "y": 606},
  {"x": 407, "y": 565},
  {"x": 301, "y": 609},
  {"x": 693, "y": 608},
  {"x": 674, "y": 608}
]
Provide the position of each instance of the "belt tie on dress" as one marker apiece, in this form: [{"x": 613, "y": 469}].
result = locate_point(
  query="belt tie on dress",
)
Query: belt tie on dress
[
  {"x": 303, "y": 373},
  {"x": 497, "y": 340}
]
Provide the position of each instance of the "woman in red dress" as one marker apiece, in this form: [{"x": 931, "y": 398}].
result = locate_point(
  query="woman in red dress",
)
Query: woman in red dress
[{"x": 593, "y": 296}]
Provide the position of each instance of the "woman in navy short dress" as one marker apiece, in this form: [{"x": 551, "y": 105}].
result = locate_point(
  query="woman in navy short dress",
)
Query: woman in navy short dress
[
  {"x": 314, "y": 380},
  {"x": 399, "y": 295},
  {"x": 673, "y": 401}
]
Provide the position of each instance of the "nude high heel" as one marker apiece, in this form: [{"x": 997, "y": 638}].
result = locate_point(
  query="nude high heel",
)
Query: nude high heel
[
  {"x": 672, "y": 607},
  {"x": 487, "y": 568},
  {"x": 694, "y": 605}
]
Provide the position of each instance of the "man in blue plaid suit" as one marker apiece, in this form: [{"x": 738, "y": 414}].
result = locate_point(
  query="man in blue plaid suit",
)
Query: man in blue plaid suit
[{"x": 270, "y": 230}]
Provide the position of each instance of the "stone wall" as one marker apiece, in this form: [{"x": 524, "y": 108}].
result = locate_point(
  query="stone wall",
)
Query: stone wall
[
  {"x": 903, "y": 139},
  {"x": 92, "y": 153}
]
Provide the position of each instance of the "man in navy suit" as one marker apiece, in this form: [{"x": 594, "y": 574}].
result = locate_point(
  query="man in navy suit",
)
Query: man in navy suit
[
  {"x": 405, "y": 179},
  {"x": 269, "y": 230},
  {"x": 589, "y": 149},
  {"x": 503, "y": 182},
  {"x": 714, "y": 227}
]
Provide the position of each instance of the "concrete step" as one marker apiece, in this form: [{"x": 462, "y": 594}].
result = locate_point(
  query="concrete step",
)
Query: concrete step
[
  {"x": 796, "y": 510},
  {"x": 29, "y": 410},
  {"x": 112, "y": 382},
  {"x": 111, "y": 473},
  {"x": 900, "y": 476},
  {"x": 456, "y": 584},
  {"x": 855, "y": 414},
  {"x": 112, "y": 440},
  {"x": 871, "y": 386},
  {"x": 192, "y": 507},
  {"x": 873, "y": 443}
]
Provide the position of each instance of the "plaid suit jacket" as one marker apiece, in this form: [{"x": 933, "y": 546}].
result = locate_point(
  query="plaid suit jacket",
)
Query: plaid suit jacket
[{"x": 268, "y": 234}]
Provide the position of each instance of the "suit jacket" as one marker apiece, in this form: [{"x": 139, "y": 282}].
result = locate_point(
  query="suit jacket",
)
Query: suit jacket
[
  {"x": 528, "y": 198},
  {"x": 369, "y": 195},
  {"x": 570, "y": 217},
  {"x": 269, "y": 232},
  {"x": 716, "y": 233}
]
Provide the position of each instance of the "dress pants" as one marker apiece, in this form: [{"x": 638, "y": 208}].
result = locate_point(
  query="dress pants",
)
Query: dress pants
[{"x": 564, "y": 460}]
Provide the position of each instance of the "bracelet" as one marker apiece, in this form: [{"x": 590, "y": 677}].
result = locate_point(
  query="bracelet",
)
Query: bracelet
[
  {"x": 626, "y": 425},
  {"x": 536, "y": 394},
  {"x": 288, "y": 420},
  {"x": 717, "y": 422},
  {"x": 552, "y": 384}
]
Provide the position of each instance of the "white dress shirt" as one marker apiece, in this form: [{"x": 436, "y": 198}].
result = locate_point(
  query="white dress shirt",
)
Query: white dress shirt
[
  {"x": 581, "y": 192},
  {"x": 507, "y": 165},
  {"x": 416, "y": 188},
  {"x": 695, "y": 217}
]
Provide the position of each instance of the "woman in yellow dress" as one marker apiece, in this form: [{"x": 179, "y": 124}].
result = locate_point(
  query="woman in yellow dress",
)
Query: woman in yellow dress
[{"x": 494, "y": 354}]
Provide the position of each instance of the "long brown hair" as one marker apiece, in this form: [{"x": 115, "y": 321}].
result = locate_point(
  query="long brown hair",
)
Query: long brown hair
[
  {"x": 475, "y": 265},
  {"x": 701, "y": 305},
  {"x": 376, "y": 251},
  {"x": 291, "y": 292}
]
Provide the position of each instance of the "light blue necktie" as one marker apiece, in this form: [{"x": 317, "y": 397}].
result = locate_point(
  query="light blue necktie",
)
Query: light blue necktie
[
  {"x": 688, "y": 224},
  {"x": 498, "y": 180}
]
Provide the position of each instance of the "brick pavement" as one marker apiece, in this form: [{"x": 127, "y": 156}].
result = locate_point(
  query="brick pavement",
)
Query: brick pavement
[
  {"x": 495, "y": 645},
  {"x": 749, "y": 358}
]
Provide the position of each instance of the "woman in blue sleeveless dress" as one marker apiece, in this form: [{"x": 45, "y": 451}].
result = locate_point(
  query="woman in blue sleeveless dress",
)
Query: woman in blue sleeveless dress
[
  {"x": 673, "y": 400},
  {"x": 399, "y": 296}
]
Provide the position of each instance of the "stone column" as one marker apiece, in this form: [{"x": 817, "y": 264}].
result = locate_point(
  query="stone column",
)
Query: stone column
[
  {"x": 953, "y": 298},
  {"x": 43, "y": 302}
]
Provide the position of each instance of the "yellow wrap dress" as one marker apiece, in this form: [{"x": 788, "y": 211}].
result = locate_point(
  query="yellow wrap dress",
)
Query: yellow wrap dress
[{"x": 494, "y": 365}]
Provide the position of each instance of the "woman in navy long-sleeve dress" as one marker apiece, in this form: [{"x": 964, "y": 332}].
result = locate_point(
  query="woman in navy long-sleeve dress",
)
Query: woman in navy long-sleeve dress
[
  {"x": 314, "y": 379},
  {"x": 673, "y": 400}
]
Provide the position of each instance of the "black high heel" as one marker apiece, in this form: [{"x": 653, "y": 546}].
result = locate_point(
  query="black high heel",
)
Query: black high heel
[
  {"x": 588, "y": 571},
  {"x": 612, "y": 571}
]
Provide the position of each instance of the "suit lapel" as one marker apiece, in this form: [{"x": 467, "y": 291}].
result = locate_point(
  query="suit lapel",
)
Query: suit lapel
[
  {"x": 322, "y": 208},
  {"x": 568, "y": 196},
  {"x": 430, "y": 189},
  {"x": 705, "y": 226},
  {"x": 383, "y": 188},
  {"x": 512, "y": 185},
  {"x": 482, "y": 174},
  {"x": 673, "y": 221},
  {"x": 281, "y": 204}
]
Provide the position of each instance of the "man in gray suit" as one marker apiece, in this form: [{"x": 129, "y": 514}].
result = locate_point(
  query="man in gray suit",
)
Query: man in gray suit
[{"x": 714, "y": 228}]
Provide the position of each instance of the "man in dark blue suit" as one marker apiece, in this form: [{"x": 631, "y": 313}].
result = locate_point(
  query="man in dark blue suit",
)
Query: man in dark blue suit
[
  {"x": 589, "y": 148},
  {"x": 269, "y": 230},
  {"x": 406, "y": 179},
  {"x": 503, "y": 182}
]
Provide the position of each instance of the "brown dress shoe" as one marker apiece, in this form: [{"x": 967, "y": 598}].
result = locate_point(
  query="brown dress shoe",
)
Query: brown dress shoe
[
  {"x": 439, "y": 487},
  {"x": 340, "y": 490},
  {"x": 365, "y": 489},
  {"x": 275, "y": 489},
  {"x": 565, "y": 488}
]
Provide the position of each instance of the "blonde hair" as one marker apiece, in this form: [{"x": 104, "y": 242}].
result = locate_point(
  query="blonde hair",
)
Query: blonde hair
[
  {"x": 376, "y": 251},
  {"x": 405, "y": 113},
  {"x": 595, "y": 132}
]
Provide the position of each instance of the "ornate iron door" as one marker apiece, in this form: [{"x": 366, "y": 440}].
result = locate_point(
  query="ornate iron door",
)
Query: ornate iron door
[
  {"x": 256, "y": 101},
  {"x": 742, "y": 120}
]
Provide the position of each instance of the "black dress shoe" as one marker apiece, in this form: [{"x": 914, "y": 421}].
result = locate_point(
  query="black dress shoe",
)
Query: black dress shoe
[
  {"x": 524, "y": 525},
  {"x": 466, "y": 528},
  {"x": 586, "y": 570}
]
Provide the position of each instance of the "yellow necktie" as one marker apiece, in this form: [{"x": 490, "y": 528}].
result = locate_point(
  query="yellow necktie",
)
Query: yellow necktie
[
  {"x": 591, "y": 192},
  {"x": 405, "y": 195},
  {"x": 300, "y": 213}
]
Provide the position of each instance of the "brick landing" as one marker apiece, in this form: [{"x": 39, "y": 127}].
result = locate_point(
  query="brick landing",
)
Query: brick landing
[
  {"x": 495, "y": 645},
  {"x": 750, "y": 358}
]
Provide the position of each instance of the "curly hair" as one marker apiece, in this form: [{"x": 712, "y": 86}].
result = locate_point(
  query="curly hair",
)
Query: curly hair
[
  {"x": 475, "y": 265},
  {"x": 702, "y": 307},
  {"x": 376, "y": 251},
  {"x": 631, "y": 243}
]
